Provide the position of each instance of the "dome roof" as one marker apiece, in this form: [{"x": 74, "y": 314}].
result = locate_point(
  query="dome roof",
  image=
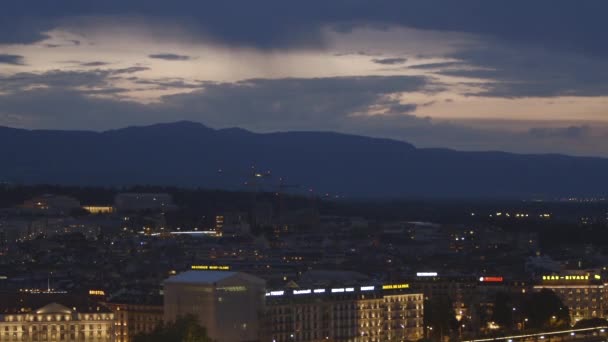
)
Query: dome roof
[{"x": 53, "y": 308}]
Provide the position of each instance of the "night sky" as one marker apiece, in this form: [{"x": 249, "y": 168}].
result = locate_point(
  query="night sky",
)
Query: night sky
[{"x": 519, "y": 75}]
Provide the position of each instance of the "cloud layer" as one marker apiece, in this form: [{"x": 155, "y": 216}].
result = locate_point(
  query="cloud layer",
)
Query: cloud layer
[
  {"x": 276, "y": 24},
  {"x": 414, "y": 70}
]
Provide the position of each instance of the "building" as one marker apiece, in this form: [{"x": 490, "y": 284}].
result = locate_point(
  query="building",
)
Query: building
[
  {"x": 232, "y": 224},
  {"x": 24, "y": 318},
  {"x": 583, "y": 293},
  {"x": 52, "y": 204},
  {"x": 143, "y": 202},
  {"x": 98, "y": 209},
  {"x": 132, "y": 319},
  {"x": 356, "y": 314},
  {"x": 229, "y": 304}
]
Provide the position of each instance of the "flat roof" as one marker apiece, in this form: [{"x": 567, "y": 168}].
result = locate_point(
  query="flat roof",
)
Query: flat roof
[{"x": 200, "y": 277}]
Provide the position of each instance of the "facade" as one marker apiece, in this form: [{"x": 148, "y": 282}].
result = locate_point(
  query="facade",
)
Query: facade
[
  {"x": 97, "y": 209},
  {"x": 461, "y": 291},
  {"x": 354, "y": 314},
  {"x": 229, "y": 304},
  {"x": 583, "y": 294},
  {"x": 55, "y": 204},
  {"x": 56, "y": 322},
  {"x": 133, "y": 319},
  {"x": 232, "y": 224}
]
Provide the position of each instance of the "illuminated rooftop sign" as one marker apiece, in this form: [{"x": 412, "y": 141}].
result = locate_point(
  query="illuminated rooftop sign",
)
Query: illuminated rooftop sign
[
  {"x": 298, "y": 292},
  {"x": 275, "y": 293},
  {"x": 367, "y": 288},
  {"x": 337, "y": 290},
  {"x": 426, "y": 274},
  {"x": 210, "y": 268},
  {"x": 491, "y": 279},
  {"x": 395, "y": 286},
  {"x": 350, "y": 289},
  {"x": 319, "y": 291},
  {"x": 97, "y": 293},
  {"x": 570, "y": 277}
]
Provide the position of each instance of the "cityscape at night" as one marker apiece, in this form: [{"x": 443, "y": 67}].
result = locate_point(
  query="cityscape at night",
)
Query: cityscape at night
[{"x": 303, "y": 171}]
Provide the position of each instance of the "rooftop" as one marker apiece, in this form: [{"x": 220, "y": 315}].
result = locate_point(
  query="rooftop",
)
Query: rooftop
[
  {"x": 211, "y": 277},
  {"x": 198, "y": 277}
]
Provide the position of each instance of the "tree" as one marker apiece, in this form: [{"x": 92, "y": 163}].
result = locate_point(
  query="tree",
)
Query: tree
[
  {"x": 591, "y": 323},
  {"x": 502, "y": 313},
  {"x": 439, "y": 317},
  {"x": 184, "y": 329},
  {"x": 545, "y": 310}
]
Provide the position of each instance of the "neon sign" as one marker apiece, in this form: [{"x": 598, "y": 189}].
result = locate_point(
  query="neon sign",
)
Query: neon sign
[
  {"x": 426, "y": 274},
  {"x": 210, "y": 268},
  {"x": 298, "y": 292},
  {"x": 395, "y": 286},
  {"x": 275, "y": 293},
  {"x": 491, "y": 279},
  {"x": 569, "y": 277}
]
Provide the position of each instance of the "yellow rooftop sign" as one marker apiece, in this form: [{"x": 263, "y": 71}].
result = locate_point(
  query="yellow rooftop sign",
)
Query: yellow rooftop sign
[
  {"x": 210, "y": 268},
  {"x": 395, "y": 286}
]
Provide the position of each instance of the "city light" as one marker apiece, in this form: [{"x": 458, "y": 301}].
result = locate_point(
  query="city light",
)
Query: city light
[
  {"x": 367, "y": 288},
  {"x": 97, "y": 293},
  {"x": 210, "y": 268},
  {"x": 491, "y": 279},
  {"x": 299, "y": 292},
  {"x": 337, "y": 290},
  {"x": 319, "y": 291},
  {"x": 426, "y": 274},
  {"x": 569, "y": 277},
  {"x": 540, "y": 335},
  {"x": 395, "y": 286}
]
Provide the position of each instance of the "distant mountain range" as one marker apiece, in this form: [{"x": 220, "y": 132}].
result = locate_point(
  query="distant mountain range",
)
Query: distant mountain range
[{"x": 190, "y": 154}]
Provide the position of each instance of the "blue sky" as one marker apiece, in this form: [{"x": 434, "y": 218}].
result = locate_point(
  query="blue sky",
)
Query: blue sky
[{"x": 521, "y": 76}]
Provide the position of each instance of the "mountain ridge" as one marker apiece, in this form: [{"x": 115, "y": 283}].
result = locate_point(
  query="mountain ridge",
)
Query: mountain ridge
[{"x": 189, "y": 154}]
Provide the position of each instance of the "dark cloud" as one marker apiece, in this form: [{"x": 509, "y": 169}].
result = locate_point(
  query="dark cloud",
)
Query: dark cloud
[
  {"x": 268, "y": 104},
  {"x": 389, "y": 61},
  {"x": 263, "y": 104},
  {"x": 563, "y": 24},
  {"x": 71, "y": 101},
  {"x": 170, "y": 57},
  {"x": 11, "y": 59},
  {"x": 167, "y": 83},
  {"x": 403, "y": 108},
  {"x": 439, "y": 65},
  {"x": 571, "y": 132},
  {"x": 94, "y": 64},
  {"x": 61, "y": 80},
  {"x": 129, "y": 70},
  {"x": 513, "y": 71},
  {"x": 21, "y": 82}
]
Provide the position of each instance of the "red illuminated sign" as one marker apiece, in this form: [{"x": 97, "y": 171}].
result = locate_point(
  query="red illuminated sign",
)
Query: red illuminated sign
[{"x": 491, "y": 279}]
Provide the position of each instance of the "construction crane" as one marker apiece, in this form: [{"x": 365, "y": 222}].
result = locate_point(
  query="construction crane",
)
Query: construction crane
[{"x": 254, "y": 179}]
